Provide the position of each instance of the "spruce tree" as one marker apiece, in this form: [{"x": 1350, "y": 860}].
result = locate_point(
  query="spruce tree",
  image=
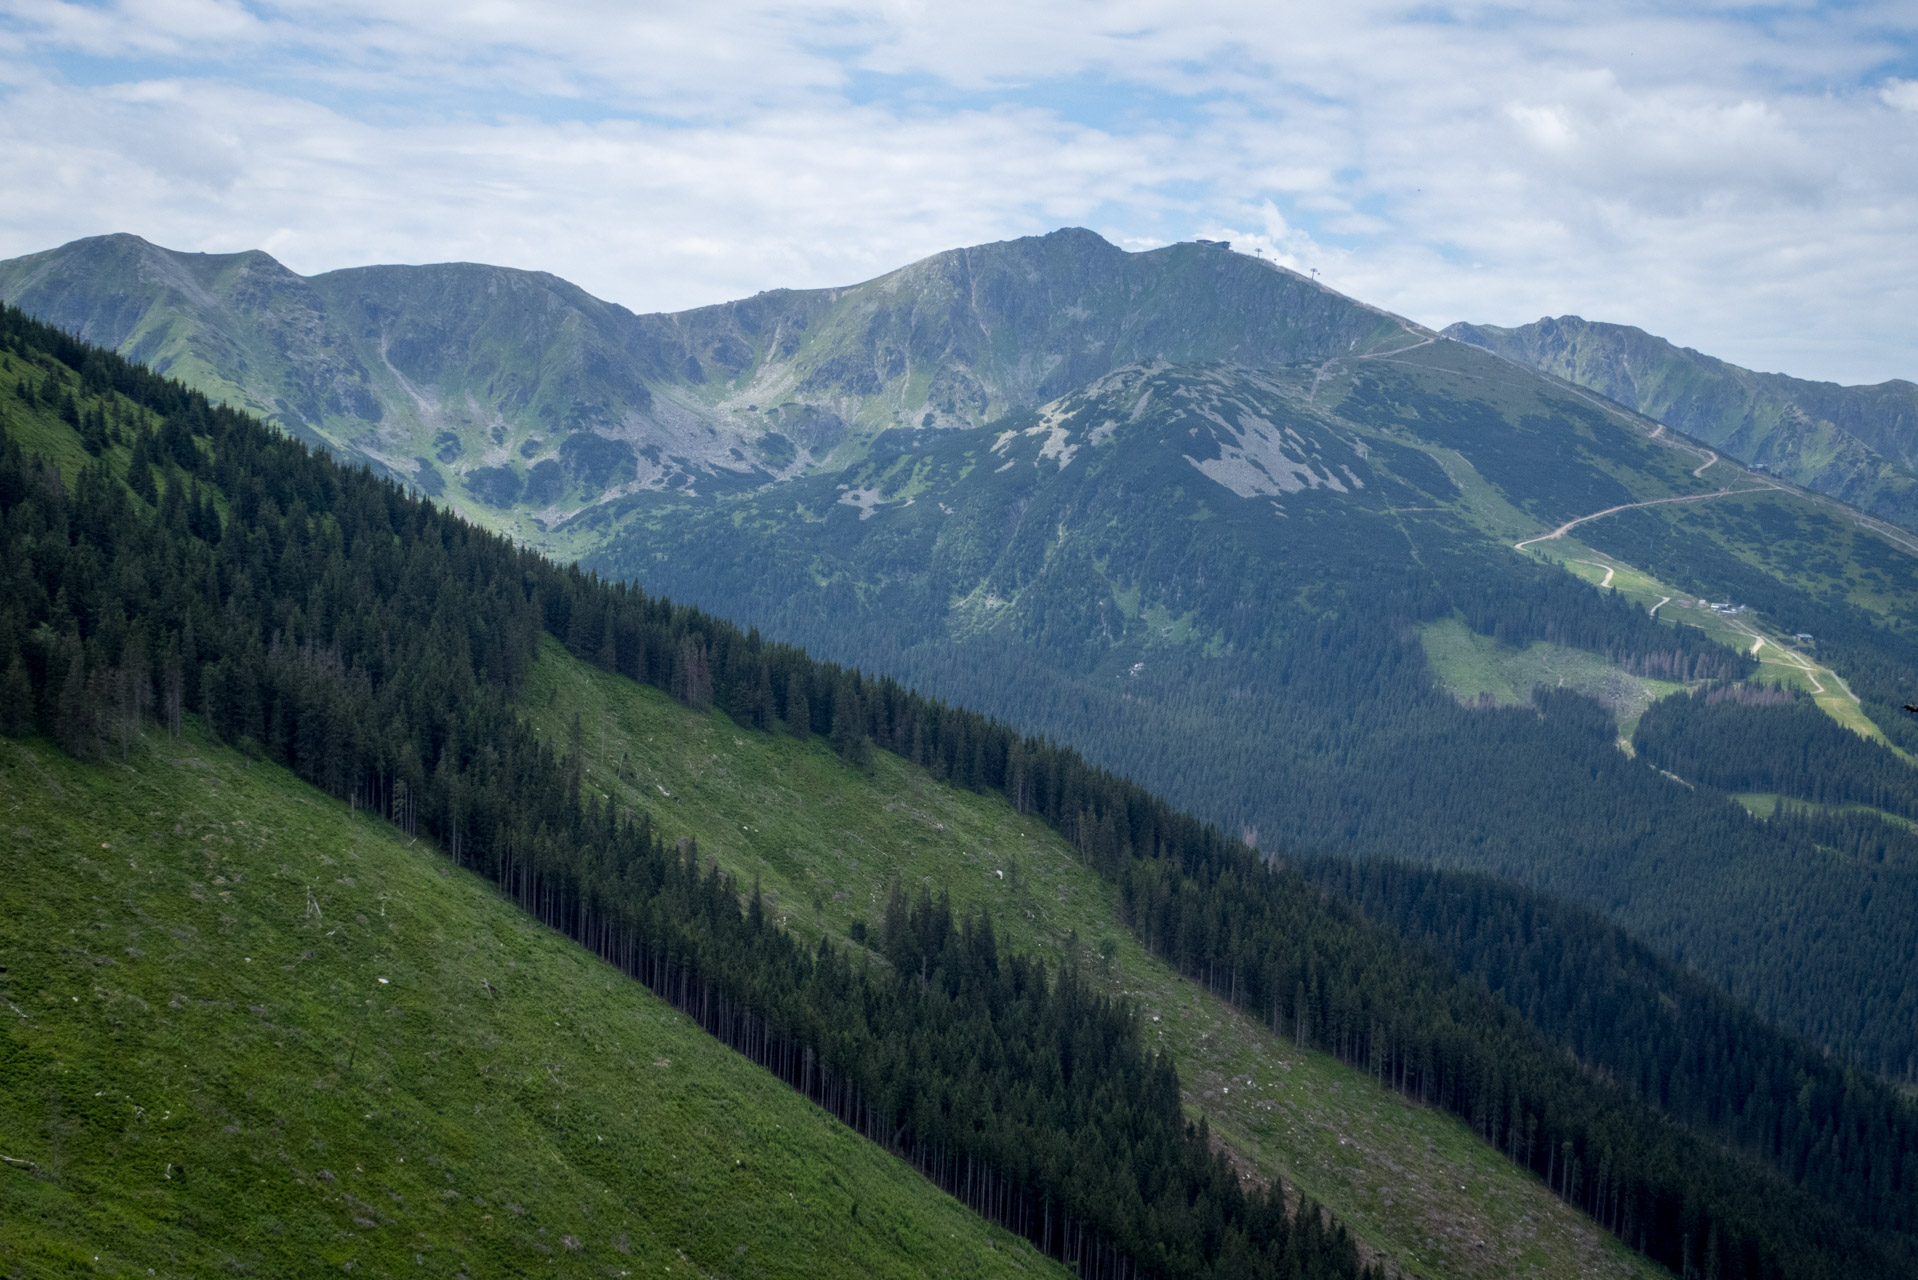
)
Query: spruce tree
[
  {"x": 73, "y": 708},
  {"x": 849, "y": 738},
  {"x": 16, "y": 700}
]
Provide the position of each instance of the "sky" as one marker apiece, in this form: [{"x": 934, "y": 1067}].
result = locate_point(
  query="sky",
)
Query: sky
[{"x": 1739, "y": 178}]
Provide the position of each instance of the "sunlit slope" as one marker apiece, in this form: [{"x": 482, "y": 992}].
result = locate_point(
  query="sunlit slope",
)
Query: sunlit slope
[
  {"x": 826, "y": 842},
  {"x": 247, "y": 1031}
]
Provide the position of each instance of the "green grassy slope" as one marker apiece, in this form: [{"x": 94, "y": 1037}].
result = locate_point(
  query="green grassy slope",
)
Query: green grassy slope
[
  {"x": 826, "y": 843},
  {"x": 1478, "y": 669},
  {"x": 207, "y": 1075}
]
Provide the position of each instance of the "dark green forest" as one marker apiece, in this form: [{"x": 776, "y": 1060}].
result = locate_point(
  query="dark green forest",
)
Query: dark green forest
[
  {"x": 1738, "y": 738},
  {"x": 1660, "y": 1032},
  {"x": 200, "y": 564},
  {"x": 1850, "y": 833}
]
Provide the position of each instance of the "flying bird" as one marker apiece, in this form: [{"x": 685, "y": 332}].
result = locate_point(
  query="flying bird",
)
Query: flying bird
[{"x": 1912, "y": 709}]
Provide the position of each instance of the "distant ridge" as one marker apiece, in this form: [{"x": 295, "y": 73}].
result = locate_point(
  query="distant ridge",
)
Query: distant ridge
[{"x": 1859, "y": 444}]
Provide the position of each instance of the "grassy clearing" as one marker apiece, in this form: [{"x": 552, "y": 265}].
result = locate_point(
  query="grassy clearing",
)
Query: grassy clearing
[
  {"x": 826, "y": 842},
  {"x": 1763, "y": 804},
  {"x": 1476, "y": 668},
  {"x": 1781, "y": 658},
  {"x": 202, "y": 1061}
]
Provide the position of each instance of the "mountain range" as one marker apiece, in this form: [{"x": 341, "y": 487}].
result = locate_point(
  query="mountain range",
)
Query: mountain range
[
  {"x": 1286, "y": 559},
  {"x": 537, "y": 401},
  {"x": 472, "y": 372}
]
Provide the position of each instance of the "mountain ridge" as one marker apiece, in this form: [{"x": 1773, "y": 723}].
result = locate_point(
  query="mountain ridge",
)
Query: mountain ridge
[
  {"x": 462, "y": 372},
  {"x": 1855, "y": 443}
]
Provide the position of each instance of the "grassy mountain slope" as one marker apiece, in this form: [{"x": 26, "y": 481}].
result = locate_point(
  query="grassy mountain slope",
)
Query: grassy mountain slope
[
  {"x": 522, "y": 400},
  {"x": 173, "y": 1010},
  {"x": 827, "y": 843},
  {"x": 1859, "y": 444},
  {"x": 207, "y": 1072}
]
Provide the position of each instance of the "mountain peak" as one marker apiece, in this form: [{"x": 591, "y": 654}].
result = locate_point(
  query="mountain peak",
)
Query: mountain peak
[{"x": 480, "y": 375}]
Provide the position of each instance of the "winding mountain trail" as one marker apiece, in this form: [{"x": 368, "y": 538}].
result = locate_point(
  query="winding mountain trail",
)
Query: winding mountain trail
[
  {"x": 1609, "y": 571},
  {"x": 1792, "y": 658},
  {"x": 1569, "y": 525},
  {"x": 1711, "y": 458},
  {"x": 1326, "y": 368},
  {"x": 1891, "y": 533}
]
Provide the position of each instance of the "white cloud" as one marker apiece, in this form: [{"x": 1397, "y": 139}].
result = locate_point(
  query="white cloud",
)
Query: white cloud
[
  {"x": 653, "y": 218},
  {"x": 1747, "y": 186}
]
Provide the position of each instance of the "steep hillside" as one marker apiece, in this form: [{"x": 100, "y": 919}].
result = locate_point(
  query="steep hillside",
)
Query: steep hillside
[
  {"x": 252, "y": 1031},
  {"x": 828, "y": 843},
  {"x": 1859, "y": 444},
  {"x": 164, "y": 550}
]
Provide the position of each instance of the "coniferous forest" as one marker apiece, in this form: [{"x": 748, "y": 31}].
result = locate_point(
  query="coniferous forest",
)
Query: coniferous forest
[
  {"x": 1739, "y": 738},
  {"x": 200, "y": 564},
  {"x": 1662, "y": 1033}
]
